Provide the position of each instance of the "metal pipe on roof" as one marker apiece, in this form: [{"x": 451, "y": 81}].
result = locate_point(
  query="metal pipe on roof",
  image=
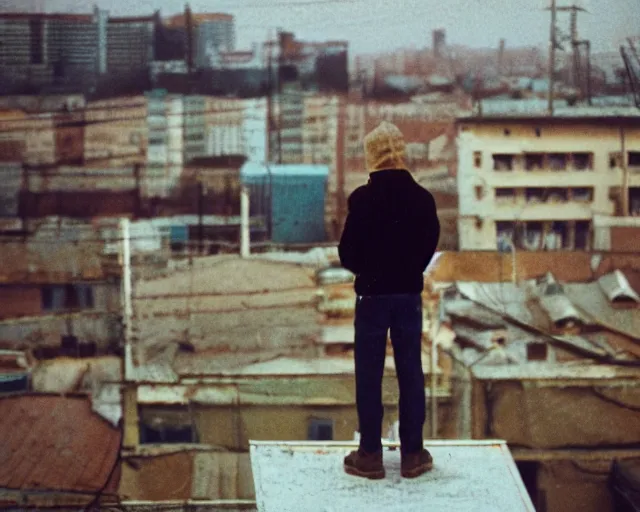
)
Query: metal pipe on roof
[
  {"x": 127, "y": 301},
  {"x": 244, "y": 222}
]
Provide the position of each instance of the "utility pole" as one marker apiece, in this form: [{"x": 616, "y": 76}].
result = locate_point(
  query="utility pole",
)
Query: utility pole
[
  {"x": 200, "y": 216},
  {"x": 244, "y": 223},
  {"x": 575, "y": 71},
  {"x": 126, "y": 299},
  {"x": 340, "y": 177},
  {"x": 625, "y": 172},
  {"x": 138, "y": 200},
  {"x": 501, "y": 56},
  {"x": 279, "y": 86},
  {"x": 552, "y": 55},
  {"x": 269, "y": 145},
  {"x": 188, "y": 18}
]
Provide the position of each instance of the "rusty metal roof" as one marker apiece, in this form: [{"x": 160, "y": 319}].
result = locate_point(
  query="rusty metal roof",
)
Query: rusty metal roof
[{"x": 56, "y": 443}]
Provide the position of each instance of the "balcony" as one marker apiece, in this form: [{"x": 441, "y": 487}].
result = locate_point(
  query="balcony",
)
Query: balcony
[{"x": 543, "y": 162}]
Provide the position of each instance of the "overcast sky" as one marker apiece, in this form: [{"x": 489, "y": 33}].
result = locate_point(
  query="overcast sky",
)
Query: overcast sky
[{"x": 376, "y": 25}]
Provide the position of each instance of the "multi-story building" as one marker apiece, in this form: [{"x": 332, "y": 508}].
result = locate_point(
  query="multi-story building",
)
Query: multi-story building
[
  {"x": 70, "y": 42},
  {"x": 43, "y": 49},
  {"x": 195, "y": 143},
  {"x": 224, "y": 126},
  {"x": 130, "y": 43},
  {"x": 165, "y": 149},
  {"x": 320, "y": 129},
  {"x": 538, "y": 182},
  {"x": 213, "y": 33}
]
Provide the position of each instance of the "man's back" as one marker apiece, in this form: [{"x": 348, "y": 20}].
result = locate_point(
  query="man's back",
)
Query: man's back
[{"x": 391, "y": 234}]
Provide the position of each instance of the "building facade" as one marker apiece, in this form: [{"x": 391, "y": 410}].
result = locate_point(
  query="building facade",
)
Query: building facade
[
  {"x": 165, "y": 149},
  {"x": 539, "y": 182},
  {"x": 212, "y": 33},
  {"x": 130, "y": 44},
  {"x": 42, "y": 49}
]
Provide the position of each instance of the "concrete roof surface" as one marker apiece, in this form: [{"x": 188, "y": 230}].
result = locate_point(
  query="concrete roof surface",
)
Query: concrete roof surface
[{"x": 468, "y": 476}]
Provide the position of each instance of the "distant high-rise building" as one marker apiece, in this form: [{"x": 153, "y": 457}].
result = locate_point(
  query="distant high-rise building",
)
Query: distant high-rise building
[
  {"x": 38, "y": 49},
  {"x": 130, "y": 43},
  {"x": 439, "y": 42},
  {"x": 212, "y": 33}
]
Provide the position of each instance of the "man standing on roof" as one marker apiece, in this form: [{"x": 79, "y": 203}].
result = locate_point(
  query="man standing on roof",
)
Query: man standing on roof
[{"x": 390, "y": 235}]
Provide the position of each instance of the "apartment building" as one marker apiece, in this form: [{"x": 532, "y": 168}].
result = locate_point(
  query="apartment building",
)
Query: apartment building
[
  {"x": 130, "y": 43},
  {"x": 213, "y": 33},
  {"x": 165, "y": 149},
  {"x": 540, "y": 182},
  {"x": 41, "y": 49},
  {"x": 319, "y": 129}
]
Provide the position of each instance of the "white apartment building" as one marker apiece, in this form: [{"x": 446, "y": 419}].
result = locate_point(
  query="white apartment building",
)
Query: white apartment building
[
  {"x": 165, "y": 148},
  {"x": 561, "y": 182}
]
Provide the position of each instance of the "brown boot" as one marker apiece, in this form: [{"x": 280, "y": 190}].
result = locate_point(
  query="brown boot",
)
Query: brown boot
[
  {"x": 415, "y": 464},
  {"x": 367, "y": 465}
]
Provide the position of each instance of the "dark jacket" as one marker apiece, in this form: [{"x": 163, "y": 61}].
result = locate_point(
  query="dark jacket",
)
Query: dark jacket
[{"x": 390, "y": 234}]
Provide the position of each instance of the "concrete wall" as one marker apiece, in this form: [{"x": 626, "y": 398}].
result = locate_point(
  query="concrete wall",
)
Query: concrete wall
[
  {"x": 567, "y": 432},
  {"x": 477, "y": 183}
]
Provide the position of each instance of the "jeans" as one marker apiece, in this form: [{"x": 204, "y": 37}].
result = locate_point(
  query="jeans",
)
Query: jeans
[{"x": 375, "y": 315}]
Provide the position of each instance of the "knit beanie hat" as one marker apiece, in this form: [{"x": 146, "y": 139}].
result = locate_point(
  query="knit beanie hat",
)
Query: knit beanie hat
[{"x": 384, "y": 148}]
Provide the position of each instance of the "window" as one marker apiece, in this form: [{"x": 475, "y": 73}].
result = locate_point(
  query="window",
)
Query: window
[
  {"x": 532, "y": 236},
  {"x": 558, "y": 161},
  {"x": 69, "y": 296},
  {"x": 537, "y": 351},
  {"x": 582, "y": 194},
  {"x": 478, "y": 189},
  {"x": 52, "y": 298},
  {"x": 505, "y": 194},
  {"x": 535, "y": 195},
  {"x": 583, "y": 235},
  {"x": 582, "y": 161},
  {"x": 558, "y": 195},
  {"x": 634, "y": 159},
  {"x": 13, "y": 383},
  {"x": 504, "y": 235},
  {"x": 634, "y": 201},
  {"x": 503, "y": 162},
  {"x": 320, "y": 430},
  {"x": 166, "y": 424},
  {"x": 534, "y": 161},
  {"x": 557, "y": 237},
  {"x": 477, "y": 159}
]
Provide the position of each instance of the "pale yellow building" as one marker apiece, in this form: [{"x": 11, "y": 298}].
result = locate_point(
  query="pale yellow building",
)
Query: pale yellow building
[{"x": 549, "y": 182}]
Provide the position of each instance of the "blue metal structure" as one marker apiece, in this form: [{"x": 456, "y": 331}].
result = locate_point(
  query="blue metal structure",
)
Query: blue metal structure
[{"x": 291, "y": 197}]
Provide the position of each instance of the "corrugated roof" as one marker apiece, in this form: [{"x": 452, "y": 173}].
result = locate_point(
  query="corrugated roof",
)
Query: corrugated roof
[
  {"x": 565, "y": 370},
  {"x": 559, "y": 308},
  {"x": 591, "y": 299},
  {"x": 467, "y": 476},
  {"x": 615, "y": 285},
  {"x": 56, "y": 443},
  {"x": 505, "y": 298},
  {"x": 537, "y": 109}
]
